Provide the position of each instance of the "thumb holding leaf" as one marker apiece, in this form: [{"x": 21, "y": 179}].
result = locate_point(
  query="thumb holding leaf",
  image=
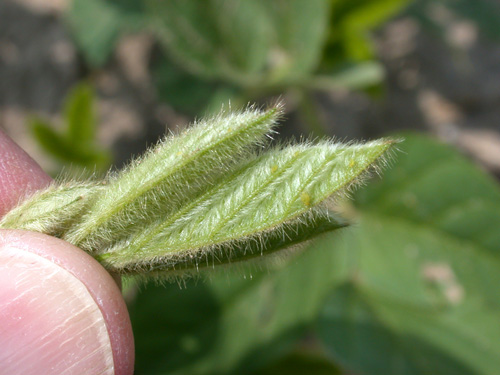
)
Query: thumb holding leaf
[{"x": 61, "y": 312}]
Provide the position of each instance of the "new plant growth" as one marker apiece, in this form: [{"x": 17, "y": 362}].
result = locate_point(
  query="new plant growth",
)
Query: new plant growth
[{"x": 213, "y": 194}]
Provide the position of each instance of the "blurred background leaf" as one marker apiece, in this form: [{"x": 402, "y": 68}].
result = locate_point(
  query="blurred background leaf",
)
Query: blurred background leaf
[
  {"x": 482, "y": 13},
  {"x": 411, "y": 287},
  {"x": 424, "y": 261},
  {"x": 241, "y": 50},
  {"x": 350, "y": 25},
  {"x": 299, "y": 363},
  {"x": 75, "y": 145},
  {"x": 237, "y": 322}
]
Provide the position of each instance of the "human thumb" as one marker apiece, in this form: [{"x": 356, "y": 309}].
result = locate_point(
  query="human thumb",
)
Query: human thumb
[{"x": 60, "y": 311}]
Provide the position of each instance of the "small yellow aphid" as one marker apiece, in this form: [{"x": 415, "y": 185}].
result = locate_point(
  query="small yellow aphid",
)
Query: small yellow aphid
[
  {"x": 305, "y": 198},
  {"x": 352, "y": 164},
  {"x": 274, "y": 168},
  {"x": 179, "y": 153}
]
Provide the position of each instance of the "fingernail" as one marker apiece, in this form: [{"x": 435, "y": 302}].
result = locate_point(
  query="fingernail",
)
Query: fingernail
[
  {"x": 60, "y": 311},
  {"x": 50, "y": 322}
]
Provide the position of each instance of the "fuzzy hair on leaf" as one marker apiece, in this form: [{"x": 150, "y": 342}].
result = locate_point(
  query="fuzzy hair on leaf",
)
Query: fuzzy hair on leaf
[
  {"x": 258, "y": 201},
  {"x": 205, "y": 197},
  {"x": 170, "y": 175},
  {"x": 54, "y": 210}
]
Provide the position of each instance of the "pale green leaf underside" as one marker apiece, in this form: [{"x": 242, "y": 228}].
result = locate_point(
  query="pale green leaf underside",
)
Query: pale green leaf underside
[{"x": 259, "y": 199}]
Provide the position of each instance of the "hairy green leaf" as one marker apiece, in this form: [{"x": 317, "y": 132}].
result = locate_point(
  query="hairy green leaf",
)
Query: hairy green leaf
[
  {"x": 205, "y": 198},
  {"x": 277, "y": 188},
  {"x": 170, "y": 175},
  {"x": 54, "y": 210}
]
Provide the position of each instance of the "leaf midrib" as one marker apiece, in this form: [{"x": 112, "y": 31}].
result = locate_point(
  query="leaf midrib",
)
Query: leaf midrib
[{"x": 151, "y": 184}]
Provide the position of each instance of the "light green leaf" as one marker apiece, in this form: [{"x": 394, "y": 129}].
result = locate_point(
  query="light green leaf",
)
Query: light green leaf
[
  {"x": 421, "y": 295},
  {"x": 351, "y": 24},
  {"x": 54, "y": 210},
  {"x": 280, "y": 187},
  {"x": 169, "y": 176}
]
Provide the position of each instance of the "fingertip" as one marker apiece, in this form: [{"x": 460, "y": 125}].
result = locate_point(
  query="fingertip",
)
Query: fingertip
[
  {"x": 59, "y": 309},
  {"x": 19, "y": 173}
]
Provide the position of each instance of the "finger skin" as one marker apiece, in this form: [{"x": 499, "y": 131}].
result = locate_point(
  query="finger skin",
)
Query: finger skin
[
  {"x": 61, "y": 312},
  {"x": 56, "y": 301},
  {"x": 20, "y": 176}
]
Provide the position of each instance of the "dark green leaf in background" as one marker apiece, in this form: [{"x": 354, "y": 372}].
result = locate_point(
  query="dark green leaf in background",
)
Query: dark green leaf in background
[
  {"x": 189, "y": 93},
  {"x": 59, "y": 147},
  {"x": 483, "y": 14},
  {"x": 234, "y": 323},
  {"x": 98, "y": 40},
  {"x": 242, "y": 50},
  {"x": 370, "y": 335},
  {"x": 246, "y": 42},
  {"x": 422, "y": 293},
  {"x": 301, "y": 363},
  {"x": 49, "y": 139}
]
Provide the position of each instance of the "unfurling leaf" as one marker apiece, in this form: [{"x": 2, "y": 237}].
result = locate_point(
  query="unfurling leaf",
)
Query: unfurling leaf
[{"x": 203, "y": 198}]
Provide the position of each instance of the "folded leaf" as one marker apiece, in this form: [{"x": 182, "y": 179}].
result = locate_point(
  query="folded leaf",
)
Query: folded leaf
[
  {"x": 52, "y": 211},
  {"x": 170, "y": 175},
  {"x": 268, "y": 198},
  {"x": 204, "y": 198}
]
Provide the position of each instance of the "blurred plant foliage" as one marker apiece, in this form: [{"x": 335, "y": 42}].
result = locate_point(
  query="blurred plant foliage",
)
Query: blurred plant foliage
[
  {"x": 412, "y": 289},
  {"x": 214, "y": 50},
  {"x": 484, "y": 14},
  {"x": 75, "y": 145}
]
